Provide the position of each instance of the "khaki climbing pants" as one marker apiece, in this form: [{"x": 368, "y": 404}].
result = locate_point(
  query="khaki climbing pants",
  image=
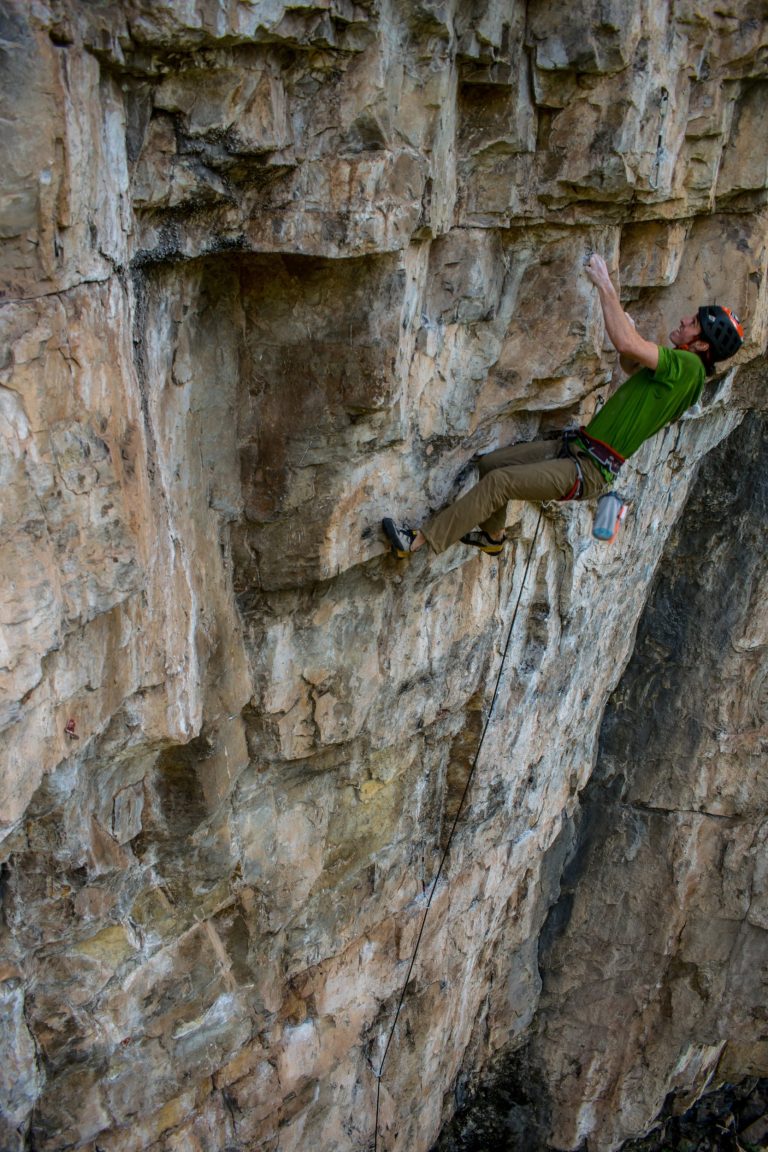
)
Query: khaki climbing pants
[{"x": 529, "y": 471}]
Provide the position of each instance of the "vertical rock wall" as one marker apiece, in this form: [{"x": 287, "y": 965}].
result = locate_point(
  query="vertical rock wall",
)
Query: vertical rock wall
[
  {"x": 667, "y": 881},
  {"x": 268, "y": 274}
]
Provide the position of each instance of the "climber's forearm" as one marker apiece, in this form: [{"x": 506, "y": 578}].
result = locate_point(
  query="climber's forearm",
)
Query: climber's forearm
[{"x": 621, "y": 331}]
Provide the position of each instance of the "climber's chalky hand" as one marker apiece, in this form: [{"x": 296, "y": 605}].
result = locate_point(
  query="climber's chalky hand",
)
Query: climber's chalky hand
[{"x": 597, "y": 270}]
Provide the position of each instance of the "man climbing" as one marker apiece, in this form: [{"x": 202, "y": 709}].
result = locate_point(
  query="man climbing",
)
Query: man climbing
[{"x": 662, "y": 384}]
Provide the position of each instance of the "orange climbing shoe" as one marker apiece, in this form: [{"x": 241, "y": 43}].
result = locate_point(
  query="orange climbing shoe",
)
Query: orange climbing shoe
[
  {"x": 480, "y": 539},
  {"x": 400, "y": 539}
]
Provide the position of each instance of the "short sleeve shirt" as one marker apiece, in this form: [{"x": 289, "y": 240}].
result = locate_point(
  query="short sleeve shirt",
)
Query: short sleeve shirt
[{"x": 648, "y": 401}]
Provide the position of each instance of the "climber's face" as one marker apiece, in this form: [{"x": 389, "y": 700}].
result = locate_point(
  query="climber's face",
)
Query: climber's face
[{"x": 687, "y": 332}]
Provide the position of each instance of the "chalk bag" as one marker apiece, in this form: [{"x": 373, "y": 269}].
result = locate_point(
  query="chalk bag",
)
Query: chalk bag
[{"x": 609, "y": 514}]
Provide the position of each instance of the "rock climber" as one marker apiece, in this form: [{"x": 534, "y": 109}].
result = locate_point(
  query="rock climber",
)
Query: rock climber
[{"x": 579, "y": 465}]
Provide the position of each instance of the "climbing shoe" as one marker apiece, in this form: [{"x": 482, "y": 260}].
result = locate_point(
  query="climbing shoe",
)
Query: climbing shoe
[
  {"x": 480, "y": 539},
  {"x": 400, "y": 539}
]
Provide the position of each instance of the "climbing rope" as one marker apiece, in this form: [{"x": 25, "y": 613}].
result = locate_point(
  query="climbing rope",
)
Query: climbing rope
[{"x": 451, "y": 833}]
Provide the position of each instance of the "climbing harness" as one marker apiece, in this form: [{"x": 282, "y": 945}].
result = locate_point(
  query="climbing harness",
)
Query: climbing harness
[
  {"x": 608, "y": 460},
  {"x": 611, "y": 508},
  {"x": 574, "y": 493},
  {"x": 456, "y": 818}
]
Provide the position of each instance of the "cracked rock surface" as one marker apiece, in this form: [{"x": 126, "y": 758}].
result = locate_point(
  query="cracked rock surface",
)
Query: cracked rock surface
[{"x": 269, "y": 273}]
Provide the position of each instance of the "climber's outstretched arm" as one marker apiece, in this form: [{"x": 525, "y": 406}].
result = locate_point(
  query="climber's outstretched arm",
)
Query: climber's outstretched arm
[{"x": 621, "y": 331}]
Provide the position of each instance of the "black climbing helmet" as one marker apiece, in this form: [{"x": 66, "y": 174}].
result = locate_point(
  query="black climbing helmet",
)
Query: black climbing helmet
[{"x": 722, "y": 330}]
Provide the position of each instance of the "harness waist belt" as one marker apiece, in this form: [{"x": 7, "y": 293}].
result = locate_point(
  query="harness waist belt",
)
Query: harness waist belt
[{"x": 600, "y": 452}]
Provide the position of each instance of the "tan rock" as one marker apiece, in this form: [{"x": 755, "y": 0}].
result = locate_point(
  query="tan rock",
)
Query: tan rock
[{"x": 270, "y": 273}]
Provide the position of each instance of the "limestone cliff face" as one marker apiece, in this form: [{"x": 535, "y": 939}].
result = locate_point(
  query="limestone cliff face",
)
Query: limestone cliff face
[
  {"x": 667, "y": 883},
  {"x": 270, "y": 272}
]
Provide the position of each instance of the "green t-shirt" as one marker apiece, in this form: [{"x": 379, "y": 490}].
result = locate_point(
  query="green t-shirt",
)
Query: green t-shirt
[{"x": 648, "y": 401}]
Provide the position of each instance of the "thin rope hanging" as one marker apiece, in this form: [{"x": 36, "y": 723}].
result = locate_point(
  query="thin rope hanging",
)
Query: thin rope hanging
[{"x": 451, "y": 833}]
